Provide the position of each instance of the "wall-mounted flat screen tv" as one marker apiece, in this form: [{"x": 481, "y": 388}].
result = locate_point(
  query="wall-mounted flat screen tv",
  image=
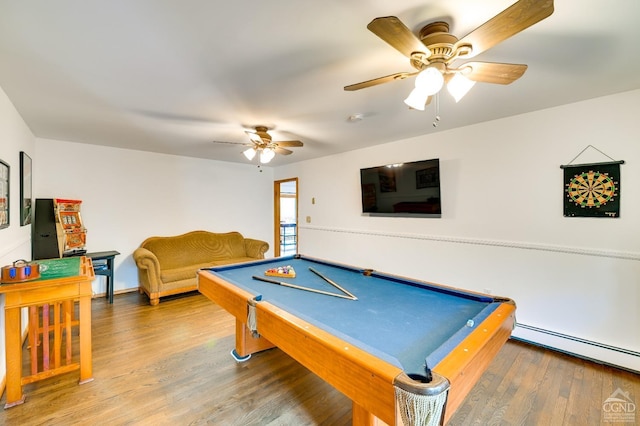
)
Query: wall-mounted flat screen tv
[{"x": 402, "y": 189}]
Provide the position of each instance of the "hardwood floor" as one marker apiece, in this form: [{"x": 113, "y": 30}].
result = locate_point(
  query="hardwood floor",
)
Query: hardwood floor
[{"x": 170, "y": 365}]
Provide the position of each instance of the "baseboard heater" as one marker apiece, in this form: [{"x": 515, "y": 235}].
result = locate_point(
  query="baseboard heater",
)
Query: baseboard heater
[{"x": 597, "y": 352}]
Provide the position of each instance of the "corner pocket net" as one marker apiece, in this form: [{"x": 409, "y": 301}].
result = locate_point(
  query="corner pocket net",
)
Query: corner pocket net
[{"x": 420, "y": 410}]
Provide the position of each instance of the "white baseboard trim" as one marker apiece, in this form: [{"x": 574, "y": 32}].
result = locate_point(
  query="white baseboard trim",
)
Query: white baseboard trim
[{"x": 600, "y": 353}]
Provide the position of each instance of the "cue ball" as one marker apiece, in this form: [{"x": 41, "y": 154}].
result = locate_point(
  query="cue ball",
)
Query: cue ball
[{"x": 470, "y": 323}]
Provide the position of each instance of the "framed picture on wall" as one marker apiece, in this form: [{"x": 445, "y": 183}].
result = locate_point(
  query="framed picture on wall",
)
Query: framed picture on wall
[
  {"x": 387, "y": 179},
  {"x": 25, "y": 189},
  {"x": 4, "y": 194},
  {"x": 427, "y": 178}
]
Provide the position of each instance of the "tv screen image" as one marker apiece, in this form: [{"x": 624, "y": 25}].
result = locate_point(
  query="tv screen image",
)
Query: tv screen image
[{"x": 402, "y": 189}]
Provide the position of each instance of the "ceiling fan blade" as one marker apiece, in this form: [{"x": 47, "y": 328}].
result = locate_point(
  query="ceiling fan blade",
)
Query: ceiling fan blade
[
  {"x": 282, "y": 151},
  {"x": 233, "y": 143},
  {"x": 289, "y": 143},
  {"x": 380, "y": 80},
  {"x": 493, "y": 72},
  {"x": 397, "y": 35},
  {"x": 509, "y": 22},
  {"x": 254, "y": 137}
]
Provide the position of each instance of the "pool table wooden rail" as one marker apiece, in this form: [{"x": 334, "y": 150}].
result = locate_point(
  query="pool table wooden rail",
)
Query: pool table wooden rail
[{"x": 366, "y": 379}]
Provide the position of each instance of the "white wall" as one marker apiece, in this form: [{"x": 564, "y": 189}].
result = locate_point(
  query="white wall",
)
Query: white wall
[
  {"x": 15, "y": 241},
  {"x": 502, "y": 229},
  {"x": 128, "y": 196}
]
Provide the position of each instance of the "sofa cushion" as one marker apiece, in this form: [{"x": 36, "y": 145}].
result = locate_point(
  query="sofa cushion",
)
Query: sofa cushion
[
  {"x": 191, "y": 271},
  {"x": 182, "y": 273},
  {"x": 181, "y": 286}
]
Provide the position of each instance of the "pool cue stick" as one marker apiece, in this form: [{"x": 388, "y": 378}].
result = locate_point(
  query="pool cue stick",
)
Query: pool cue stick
[
  {"x": 299, "y": 287},
  {"x": 333, "y": 283}
]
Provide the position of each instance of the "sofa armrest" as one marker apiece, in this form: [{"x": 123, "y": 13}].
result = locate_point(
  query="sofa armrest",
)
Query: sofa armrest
[
  {"x": 255, "y": 248},
  {"x": 148, "y": 269}
]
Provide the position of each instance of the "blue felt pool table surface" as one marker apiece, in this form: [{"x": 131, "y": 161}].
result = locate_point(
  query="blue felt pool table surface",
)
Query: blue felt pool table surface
[{"x": 402, "y": 321}]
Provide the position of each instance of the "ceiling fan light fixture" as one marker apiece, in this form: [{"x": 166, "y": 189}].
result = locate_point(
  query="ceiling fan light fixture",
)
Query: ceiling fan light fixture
[
  {"x": 417, "y": 99},
  {"x": 249, "y": 153},
  {"x": 459, "y": 86},
  {"x": 430, "y": 80},
  {"x": 267, "y": 155}
]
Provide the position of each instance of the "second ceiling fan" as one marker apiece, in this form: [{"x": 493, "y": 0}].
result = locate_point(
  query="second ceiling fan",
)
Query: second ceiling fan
[
  {"x": 433, "y": 51},
  {"x": 263, "y": 144}
]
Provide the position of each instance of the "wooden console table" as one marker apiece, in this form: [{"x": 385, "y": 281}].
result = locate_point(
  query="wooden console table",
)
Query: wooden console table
[{"x": 62, "y": 282}]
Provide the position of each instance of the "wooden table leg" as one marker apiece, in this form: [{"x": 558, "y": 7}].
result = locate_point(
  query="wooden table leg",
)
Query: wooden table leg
[
  {"x": 247, "y": 344},
  {"x": 86, "y": 373},
  {"x": 13, "y": 351},
  {"x": 362, "y": 417}
]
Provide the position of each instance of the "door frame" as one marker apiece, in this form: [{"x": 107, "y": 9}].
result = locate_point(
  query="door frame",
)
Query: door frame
[{"x": 276, "y": 213}]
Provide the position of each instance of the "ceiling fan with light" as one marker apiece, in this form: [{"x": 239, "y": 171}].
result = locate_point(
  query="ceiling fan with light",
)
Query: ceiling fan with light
[
  {"x": 433, "y": 51},
  {"x": 262, "y": 143}
]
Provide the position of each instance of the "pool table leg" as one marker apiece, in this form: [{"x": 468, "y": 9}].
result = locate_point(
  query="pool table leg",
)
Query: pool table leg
[
  {"x": 362, "y": 417},
  {"x": 246, "y": 344}
]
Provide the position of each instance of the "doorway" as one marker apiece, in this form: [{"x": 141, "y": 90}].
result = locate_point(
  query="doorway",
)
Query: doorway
[{"x": 286, "y": 217}]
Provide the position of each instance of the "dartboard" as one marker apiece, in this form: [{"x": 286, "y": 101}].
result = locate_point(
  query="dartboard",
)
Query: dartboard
[{"x": 591, "y": 189}]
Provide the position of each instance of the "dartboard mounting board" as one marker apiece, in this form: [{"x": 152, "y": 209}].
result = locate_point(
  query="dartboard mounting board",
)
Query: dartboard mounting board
[{"x": 592, "y": 190}]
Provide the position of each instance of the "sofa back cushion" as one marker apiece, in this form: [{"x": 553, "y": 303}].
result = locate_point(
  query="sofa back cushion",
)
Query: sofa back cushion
[{"x": 195, "y": 247}]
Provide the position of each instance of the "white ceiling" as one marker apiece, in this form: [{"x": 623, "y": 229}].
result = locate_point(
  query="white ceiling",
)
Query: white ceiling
[{"x": 171, "y": 76}]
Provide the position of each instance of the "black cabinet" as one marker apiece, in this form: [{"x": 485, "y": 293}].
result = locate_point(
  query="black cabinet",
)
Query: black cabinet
[{"x": 44, "y": 241}]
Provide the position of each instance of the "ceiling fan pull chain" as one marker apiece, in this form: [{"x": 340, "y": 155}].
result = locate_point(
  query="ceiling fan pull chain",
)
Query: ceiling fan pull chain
[{"x": 437, "y": 117}]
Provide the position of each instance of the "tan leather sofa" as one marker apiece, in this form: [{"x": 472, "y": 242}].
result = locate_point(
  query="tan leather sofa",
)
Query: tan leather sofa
[{"x": 169, "y": 265}]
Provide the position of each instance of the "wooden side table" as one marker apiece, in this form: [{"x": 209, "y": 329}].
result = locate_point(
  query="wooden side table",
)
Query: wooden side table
[
  {"x": 103, "y": 265},
  {"x": 62, "y": 282}
]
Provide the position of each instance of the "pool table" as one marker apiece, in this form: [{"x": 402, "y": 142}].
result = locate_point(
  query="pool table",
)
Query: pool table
[{"x": 377, "y": 347}]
